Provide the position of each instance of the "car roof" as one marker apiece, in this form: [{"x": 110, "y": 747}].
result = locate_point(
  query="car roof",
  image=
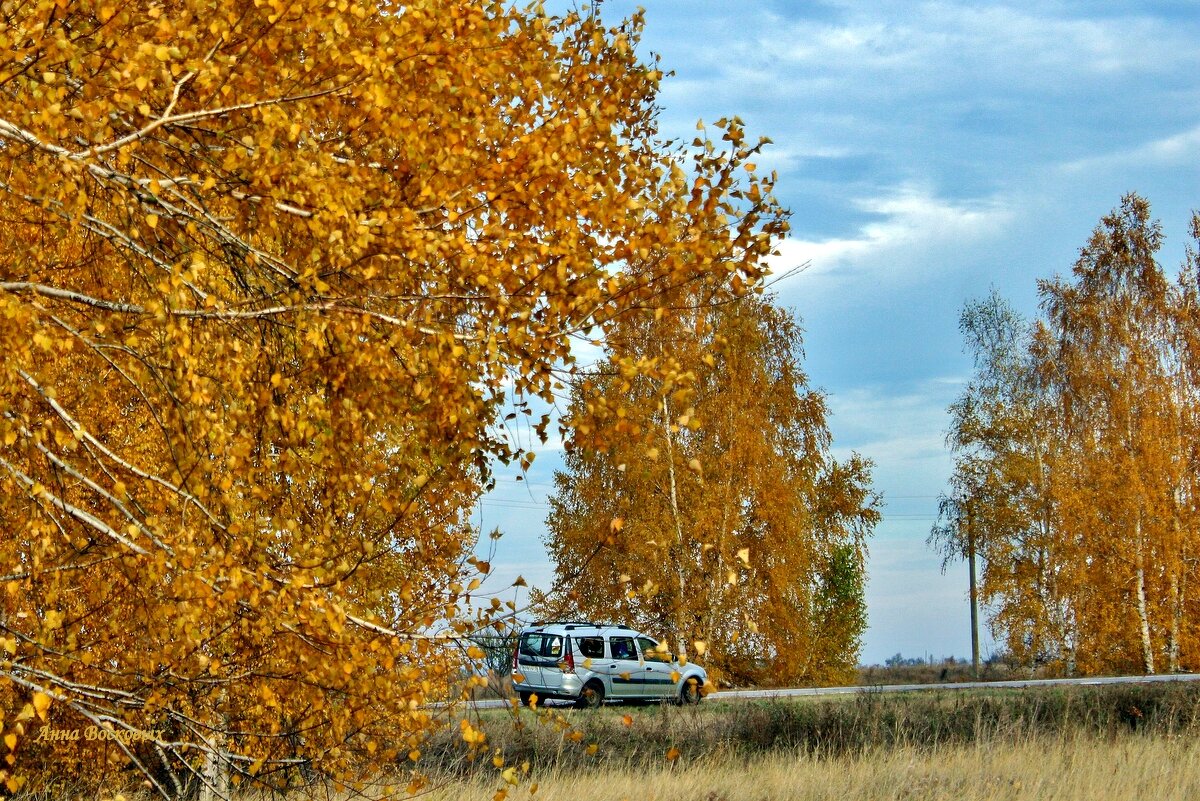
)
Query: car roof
[{"x": 556, "y": 626}]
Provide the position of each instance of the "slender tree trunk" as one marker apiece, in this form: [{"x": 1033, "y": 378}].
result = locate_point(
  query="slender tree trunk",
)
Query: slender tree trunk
[
  {"x": 1176, "y": 621},
  {"x": 215, "y": 784},
  {"x": 676, "y": 552},
  {"x": 974, "y": 593},
  {"x": 1176, "y": 589},
  {"x": 1143, "y": 614}
]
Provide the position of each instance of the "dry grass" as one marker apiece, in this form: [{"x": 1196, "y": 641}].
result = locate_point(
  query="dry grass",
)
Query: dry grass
[
  {"x": 1093, "y": 743},
  {"x": 1078, "y": 769}
]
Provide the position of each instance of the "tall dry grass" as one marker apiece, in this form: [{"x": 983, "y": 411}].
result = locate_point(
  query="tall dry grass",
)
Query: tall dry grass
[
  {"x": 1093, "y": 743},
  {"x": 1076, "y": 769},
  {"x": 830, "y": 728}
]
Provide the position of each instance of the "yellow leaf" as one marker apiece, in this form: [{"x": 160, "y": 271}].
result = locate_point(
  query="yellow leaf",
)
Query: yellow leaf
[
  {"x": 162, "y": 53},
  {"x": 701, "y": 646},
  {"x": 509, "y": 775},
  {"x": 152, "y": 220},
  {"x": 627, "y": 720},
  {"x": 672, "y": 754},
  {"x": 11, "y": 741},
  {"x": 592, "y": 749},
  {"x": 744, "y": 555},
  {"x": 41, "y": 702}
]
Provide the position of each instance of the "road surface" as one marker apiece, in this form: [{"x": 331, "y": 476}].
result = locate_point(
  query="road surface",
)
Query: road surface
[{"x": 1017, "y": 684}]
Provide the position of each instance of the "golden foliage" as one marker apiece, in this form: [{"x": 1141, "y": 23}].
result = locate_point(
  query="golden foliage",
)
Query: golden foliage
[
  {"x": 270, "y": 273},
  {"x": 1076, "y": 459},
  {"x": 742, "y": 540}
]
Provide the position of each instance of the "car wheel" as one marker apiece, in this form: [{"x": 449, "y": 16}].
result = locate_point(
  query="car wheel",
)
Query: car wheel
[
  {"x": 690, "y": 695},
  {"x": 526, "y": 698},
  {"x": 592, "y": 696}
]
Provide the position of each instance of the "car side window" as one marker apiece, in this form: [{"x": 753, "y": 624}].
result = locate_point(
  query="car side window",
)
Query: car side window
[
  {"x": 552, "y": 647},
  {"x": 649, "y": 649},
  {"x": 622, "y": 648},
  {"x": 591, "y": 647}
]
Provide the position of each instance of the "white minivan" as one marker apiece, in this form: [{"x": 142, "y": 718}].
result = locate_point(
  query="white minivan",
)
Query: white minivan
[{"x": 589, "y": 663}]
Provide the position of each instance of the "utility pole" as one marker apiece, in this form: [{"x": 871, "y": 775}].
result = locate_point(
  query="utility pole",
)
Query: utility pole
[{"x": 974, "y": 591}]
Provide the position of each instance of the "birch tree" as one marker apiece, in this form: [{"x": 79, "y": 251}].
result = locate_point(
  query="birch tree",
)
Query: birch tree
[
  {"x": 1076, "y": 459},
  {"x": 707, "y": 506},
  {"x": 271, "y": 275}
]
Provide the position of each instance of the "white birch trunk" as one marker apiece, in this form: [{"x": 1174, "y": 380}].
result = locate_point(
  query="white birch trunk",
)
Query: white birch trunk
[{"x": 1143, "y": 614}]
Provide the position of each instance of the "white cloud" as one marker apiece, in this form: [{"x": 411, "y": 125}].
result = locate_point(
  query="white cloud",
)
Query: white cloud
[
  {"x": 916, "y": 233},
  {"x": 1175, "y": 150},
  {"x": 1000, "y": 43}
]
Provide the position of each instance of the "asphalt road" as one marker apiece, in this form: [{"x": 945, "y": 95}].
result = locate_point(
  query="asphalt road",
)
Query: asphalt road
[
  {"x": 905, "y": 688},
  {"x": 962, "y": 685}
]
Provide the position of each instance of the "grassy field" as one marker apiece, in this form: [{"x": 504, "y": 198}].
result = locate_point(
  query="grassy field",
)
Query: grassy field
[
  {"x": 1088, "y": 768},
  {"x": 1094, "y": 743}
]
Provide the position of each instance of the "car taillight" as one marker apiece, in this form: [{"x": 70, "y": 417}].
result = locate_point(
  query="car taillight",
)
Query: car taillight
[{"x": 569, "y": 662}]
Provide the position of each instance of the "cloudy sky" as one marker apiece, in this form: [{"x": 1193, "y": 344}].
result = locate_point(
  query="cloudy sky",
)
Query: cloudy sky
[{"x": 927, "y": 151}]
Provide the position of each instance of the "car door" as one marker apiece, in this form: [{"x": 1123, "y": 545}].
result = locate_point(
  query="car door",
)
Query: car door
[
  {"x": 624, "y": 667},
  {"x": 660, "y": 675}
]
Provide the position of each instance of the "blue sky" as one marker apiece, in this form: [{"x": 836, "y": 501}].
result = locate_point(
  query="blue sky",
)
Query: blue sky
[{"x": 927, "y": 151}]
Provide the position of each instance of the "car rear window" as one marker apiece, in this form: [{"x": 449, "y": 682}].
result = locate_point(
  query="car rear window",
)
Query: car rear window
[
  {"x": 592, "y": 647},
  {"x": 536, "y": 643}
]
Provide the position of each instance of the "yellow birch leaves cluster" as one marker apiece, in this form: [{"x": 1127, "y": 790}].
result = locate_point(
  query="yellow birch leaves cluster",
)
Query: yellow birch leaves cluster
[{"x": 271, "y": 274}]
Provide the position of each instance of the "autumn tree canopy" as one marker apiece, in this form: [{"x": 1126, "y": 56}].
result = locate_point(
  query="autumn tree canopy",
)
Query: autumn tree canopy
[
  {"x": 705, "y": 505},
  {"x": 1076, "y": 459},
  {"x": 270, "y": 276}
]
